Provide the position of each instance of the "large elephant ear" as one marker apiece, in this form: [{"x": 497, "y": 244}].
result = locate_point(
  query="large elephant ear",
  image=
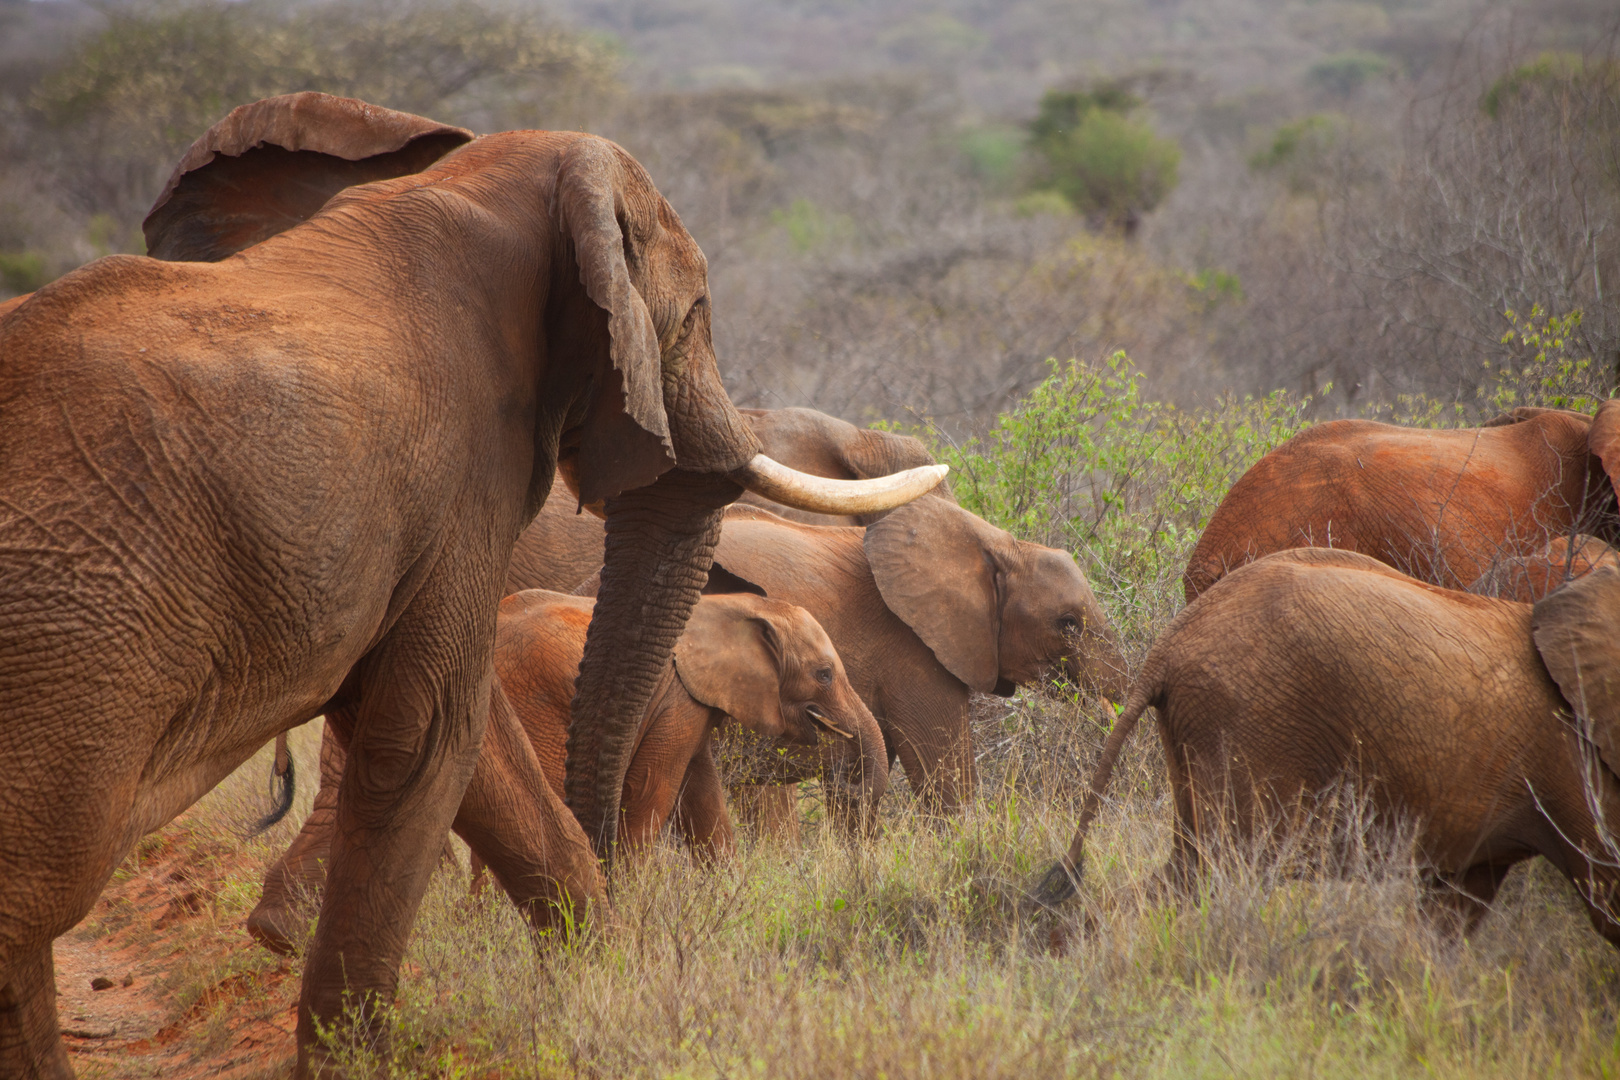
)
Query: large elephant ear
[
  {"x": 934, "y": 564},
  {"x": 1603, "y": 440},
  {"x": 1577, "y": 632},
  {"x": 626, "y": 442},
  {"x": 729, "y": 658},
  {"x": 271, "y": 165}
]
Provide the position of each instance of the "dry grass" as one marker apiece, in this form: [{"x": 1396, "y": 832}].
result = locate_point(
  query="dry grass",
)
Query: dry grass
[{"x": 918, "y": 955}]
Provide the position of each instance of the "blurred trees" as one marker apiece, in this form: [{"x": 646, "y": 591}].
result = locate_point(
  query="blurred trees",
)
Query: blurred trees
[
  {"x": 1355, "y": 200},
  {"x": 1108, "y": 165},
  {"x": 104, "y": 126}
]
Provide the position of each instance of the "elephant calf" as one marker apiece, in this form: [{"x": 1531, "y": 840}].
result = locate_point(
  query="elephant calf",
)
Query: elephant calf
[
  {"x": 1314, "y": 665},
  {"x": 763, "y": 663}
]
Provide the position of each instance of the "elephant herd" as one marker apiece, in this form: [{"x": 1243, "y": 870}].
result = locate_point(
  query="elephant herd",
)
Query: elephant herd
[
  {"x": 299, "y": 462},
  {"x": 1488, "y": 717}
]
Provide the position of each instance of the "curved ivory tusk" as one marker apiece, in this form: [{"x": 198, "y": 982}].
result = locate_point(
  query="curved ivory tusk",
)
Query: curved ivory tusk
[{"x": 820, "y": 495}]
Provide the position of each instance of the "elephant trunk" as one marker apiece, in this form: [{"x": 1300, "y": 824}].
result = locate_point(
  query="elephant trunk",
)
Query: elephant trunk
[
  {"x": 856, "y": 770},
  {"x": 1095, "y": 660},
  {"x": 660, "y": 540}
]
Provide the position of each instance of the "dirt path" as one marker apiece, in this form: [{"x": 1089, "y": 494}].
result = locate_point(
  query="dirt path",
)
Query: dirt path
[{"x": 185, "y": 994}]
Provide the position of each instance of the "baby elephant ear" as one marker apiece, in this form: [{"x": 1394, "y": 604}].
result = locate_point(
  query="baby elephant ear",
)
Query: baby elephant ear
[
  {"x": 933, "y": 564},
  {"x": 271, "y": 165},
  {"x": 728, "y": 659},
  {"x": 1577, "y": 632}
]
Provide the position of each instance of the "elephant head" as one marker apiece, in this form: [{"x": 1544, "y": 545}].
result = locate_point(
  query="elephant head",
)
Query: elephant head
[
  {"x": 770, "y": 666},
  {"x": 995, "y": 610},
  {"x": 1577, "y": 633},
  {"x": 630, "y": 405}
]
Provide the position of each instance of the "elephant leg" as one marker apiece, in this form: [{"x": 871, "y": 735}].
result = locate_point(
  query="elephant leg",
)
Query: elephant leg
[
  {"x": 412, "y": 731},
  {"x": 518, "y": 827},
  {"x": 932, "y": 733},
  {"x": 1457, "y": 902},
  {"x": 296, "y": 881},
  {"x": 701, "y": 811},
  {"x": 30, "y": 1039},
  {"x": 770, "y": 810}
]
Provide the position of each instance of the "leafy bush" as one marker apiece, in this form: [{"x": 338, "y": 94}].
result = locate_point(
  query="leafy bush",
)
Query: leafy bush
[
  {"x": 1300, "y": 151},
  {"x": 1549, "y": 77},
  {"x": 1105, "y": 163},
  {"x": 1545, "y": 370},
  {"x": 21, "y": 271},
  {"x": 1085, "y": 463},
  {"x": 1346, "y": 72}
]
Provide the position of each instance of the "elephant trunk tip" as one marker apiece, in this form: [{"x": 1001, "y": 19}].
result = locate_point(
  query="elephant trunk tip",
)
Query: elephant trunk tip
[{"x": 1060, "y": 883}]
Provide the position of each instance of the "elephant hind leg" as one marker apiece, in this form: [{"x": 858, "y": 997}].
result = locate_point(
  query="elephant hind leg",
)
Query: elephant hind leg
[
  {"x": 1457, "y": 902},
  {"x": 30, "y": 1038}
]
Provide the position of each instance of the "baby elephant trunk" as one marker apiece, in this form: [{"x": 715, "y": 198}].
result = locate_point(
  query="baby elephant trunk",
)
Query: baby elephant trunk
[
  {"x": 855, "y": 769},
  {"x": 1096, "y": 662}
]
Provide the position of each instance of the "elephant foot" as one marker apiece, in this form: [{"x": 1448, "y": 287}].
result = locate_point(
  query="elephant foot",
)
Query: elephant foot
[
  {"x": 279, "y": 927},
  {"x": 31, "y": 1045}
]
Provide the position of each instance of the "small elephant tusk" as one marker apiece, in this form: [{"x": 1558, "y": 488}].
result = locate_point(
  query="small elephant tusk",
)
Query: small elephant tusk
[
  {"x": 825, "y": 721},
  {"x": 818, "y": 494}
]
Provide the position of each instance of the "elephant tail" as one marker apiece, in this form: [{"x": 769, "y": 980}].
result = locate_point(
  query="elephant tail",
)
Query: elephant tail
[
  {"x": 1062, "y": 880},
  {"x": 281, "y": 776}
]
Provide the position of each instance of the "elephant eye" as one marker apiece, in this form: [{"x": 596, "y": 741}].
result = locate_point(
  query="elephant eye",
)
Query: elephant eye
[
  {"x": 692, "y": 315},
  {"x": 1068, "y": 625},
  {"x": 824, "y": 676}
]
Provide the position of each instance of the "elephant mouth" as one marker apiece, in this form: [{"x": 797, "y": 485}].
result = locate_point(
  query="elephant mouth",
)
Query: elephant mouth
[{"x": 826, "y": 722}]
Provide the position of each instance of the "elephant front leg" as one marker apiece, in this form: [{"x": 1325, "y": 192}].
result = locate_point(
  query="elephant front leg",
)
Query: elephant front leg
[
  {"x": 413, "y": 743},
  {"x": 297, "y": 880},
  {"x": 933, "y": 736},
  {"x": 700, "y": 813},
  {"x": 30, "y": 1039}
]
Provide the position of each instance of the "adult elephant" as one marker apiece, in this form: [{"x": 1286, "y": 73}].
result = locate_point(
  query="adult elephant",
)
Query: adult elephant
[
  {"x": 244, "y": 493},
  {"x": 926, "y": 606},
  {"x": 1442, "y": 505},
  {"x": 762, "y": 663},
  {"x": 563, "y": 545},
  {"x": 1449, "y": 711}
]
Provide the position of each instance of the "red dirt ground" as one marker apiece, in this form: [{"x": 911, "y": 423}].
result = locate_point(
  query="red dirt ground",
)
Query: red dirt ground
[{"x": 192, "y": 996}]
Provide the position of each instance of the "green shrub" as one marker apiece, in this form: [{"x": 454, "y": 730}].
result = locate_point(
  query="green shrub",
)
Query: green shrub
[
  {"x": 21, "y": 271},
  {"x": 1101, "y": 160},
  {"x": 1543, "y": 369},
  {"x": 993, "y": 151},
  {"x": 1346, "y": 72},
  {"x": 1086, "y": 464},
  {"x": 1548, "y": 77},
  {"x": 1300, "y": 150}
]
